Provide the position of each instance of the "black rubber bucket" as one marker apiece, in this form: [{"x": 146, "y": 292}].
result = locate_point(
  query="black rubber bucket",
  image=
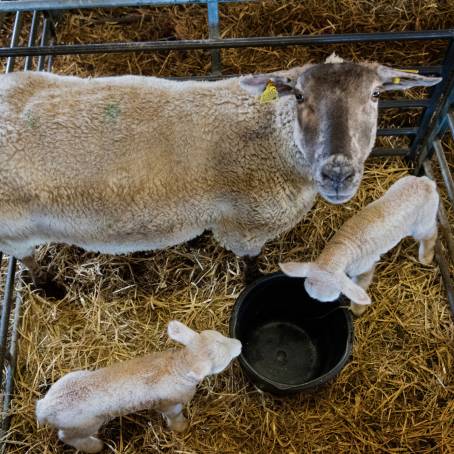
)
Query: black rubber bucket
[{"x": 291, "y": 342}]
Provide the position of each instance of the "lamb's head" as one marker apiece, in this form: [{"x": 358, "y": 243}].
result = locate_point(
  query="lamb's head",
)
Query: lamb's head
[
  {"x": 336, "y": 105},
  {"x": 325, "y": 285},
  {"x": 213, "y": 351}
]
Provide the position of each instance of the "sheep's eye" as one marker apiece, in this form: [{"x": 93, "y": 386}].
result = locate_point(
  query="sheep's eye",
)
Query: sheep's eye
[
  {"x": 375, "y": 95},
  {"x": 299, "y": 97}
]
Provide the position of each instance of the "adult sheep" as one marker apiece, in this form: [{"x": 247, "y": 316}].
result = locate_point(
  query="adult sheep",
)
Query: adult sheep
[{"x": 122, "y": 164}]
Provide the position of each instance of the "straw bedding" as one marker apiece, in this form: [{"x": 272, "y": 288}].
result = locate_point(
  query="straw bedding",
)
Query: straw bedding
[{"x": 396, "y": 393}]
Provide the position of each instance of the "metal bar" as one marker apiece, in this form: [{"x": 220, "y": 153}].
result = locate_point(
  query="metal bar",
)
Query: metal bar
[
  {"x": 42, "y": 5},
  {"x": 382, "y": 152},
  {"x": 446, "y": 277},
  {"x": 451, "y": 122},
  {"x": 403, "y": 103},
  {"x": 271, "y": 41},
  {"x": 43, "y": 43},
  {"x": 12, "y": 360},
  {"x": 396, "y": 131},
  {"x": 213, "y": 33},
  {"x": 14, "y": 40},
  {"x": 31, "y": 39},
  {"x": 429, "y": 124},
  {"x": 442, "y": 216},
  {"x": 411, "y": 103},
  {"x": 9, "y": 355},
  {"x": 9, "y": 284},
  {"x": 6, "y": 310},
  {"x": 444, "y": 169}
]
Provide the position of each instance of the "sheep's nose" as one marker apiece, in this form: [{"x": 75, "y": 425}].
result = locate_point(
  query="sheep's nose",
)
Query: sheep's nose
[{"x": 336, "y": 176}]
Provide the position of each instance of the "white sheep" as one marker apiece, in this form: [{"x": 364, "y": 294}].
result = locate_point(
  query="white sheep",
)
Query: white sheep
[
  {"x": 81, "y": 401},
  {"x": 408, "y": 208},
  {"x": 123, "y": 164}
]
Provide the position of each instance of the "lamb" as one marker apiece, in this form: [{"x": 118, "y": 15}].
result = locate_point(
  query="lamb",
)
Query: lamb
[
  {"x": 408, "y": 208},
  {"x": 81, "y": 401},
  {"x": 130, "y": 163}
]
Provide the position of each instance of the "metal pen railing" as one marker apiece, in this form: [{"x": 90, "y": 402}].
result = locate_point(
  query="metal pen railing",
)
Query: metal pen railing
[
  {"x": 12, "y": 297},
  {"x": 425, "y": 139}
]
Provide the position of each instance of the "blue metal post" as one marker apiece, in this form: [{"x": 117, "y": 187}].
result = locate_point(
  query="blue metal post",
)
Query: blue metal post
[{"x": 213, "y": 33}]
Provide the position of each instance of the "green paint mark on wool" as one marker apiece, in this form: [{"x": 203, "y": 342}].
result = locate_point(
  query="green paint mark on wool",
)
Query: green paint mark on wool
[
  {"x": 31, "y": 120},
  {"x": 112, "y": 111}
]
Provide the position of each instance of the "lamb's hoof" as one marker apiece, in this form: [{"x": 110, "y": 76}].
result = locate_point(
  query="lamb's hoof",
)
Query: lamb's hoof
[
  {"x": 358, "y": 309},
  {"x": 51, "y": 290},
  {"x": 93, "y": 445},
  {"x": 426, "y": 259},
  {"x": 178, "y": 426}
]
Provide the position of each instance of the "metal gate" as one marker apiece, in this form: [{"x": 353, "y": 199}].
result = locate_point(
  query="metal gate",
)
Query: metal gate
[{"x": 436, "y": 119}]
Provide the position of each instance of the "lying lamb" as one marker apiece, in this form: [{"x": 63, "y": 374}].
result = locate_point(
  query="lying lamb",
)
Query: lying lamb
[
  {"x": 408, "y": 208},
  {"x": 81, "y": 401}
]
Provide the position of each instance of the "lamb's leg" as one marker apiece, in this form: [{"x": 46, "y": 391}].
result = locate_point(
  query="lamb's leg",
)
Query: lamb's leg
[
  {"x": 82, "y": 438},
  {"x": 363, "y": 280},
  {"x": 41, "y": 279},
  {"x": 173, "y": 414},
  {"x": 427, "y": 245}
]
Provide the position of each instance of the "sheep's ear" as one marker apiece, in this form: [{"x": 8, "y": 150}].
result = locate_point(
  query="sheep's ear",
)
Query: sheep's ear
[
  {"x": 180, "y": 332},
  {"x": 352, "y": 291},
  {"x": 395, "y": 79},
  {"x": 296, "y": 269},
  {"x": 256, "y": 84}
]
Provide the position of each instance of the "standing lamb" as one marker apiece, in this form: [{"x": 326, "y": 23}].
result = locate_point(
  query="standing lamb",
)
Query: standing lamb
[
  {"x": 81, "y": 401},
  {"x": 123, "y": 164},
  {"x": 408, "y": 208}
]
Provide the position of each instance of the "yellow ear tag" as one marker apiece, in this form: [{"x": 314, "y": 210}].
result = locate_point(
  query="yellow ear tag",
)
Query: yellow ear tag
[
  {"x": 396, "y": 80},
  {"x": 270, "y": 93}
]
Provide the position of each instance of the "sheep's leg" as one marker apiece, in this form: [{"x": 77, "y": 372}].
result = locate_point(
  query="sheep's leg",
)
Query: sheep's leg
[
  {"x": 251, "y": 268},
  {"x": 41, "y": 279},
  {"x": 427, "y": 242},
  {"x": 246, "y": 246},
  {"x": 363, "y": 280},
  {"x": 198, "y": 242},
  {"x": 83, "y": 438},
  {"x": 173, "y": 414}
]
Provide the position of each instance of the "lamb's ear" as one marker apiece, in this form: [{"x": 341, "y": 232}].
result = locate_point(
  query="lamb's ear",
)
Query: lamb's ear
[
  {"x": 256, "y": 84},
  {"x": 352, "y": 291},
  {"x": 180, "y": 332},
  {"x": 297, "y": 269},
  {"x": 334, "y": 58},
  {"x": 395, "y": 79}
]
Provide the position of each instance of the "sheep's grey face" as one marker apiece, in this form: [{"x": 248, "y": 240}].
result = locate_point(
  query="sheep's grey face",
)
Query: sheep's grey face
[
  {"x": 322, "y": 288},
  {"x": 221, "y": 349},
  {"x": 336, "y": 124}
]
